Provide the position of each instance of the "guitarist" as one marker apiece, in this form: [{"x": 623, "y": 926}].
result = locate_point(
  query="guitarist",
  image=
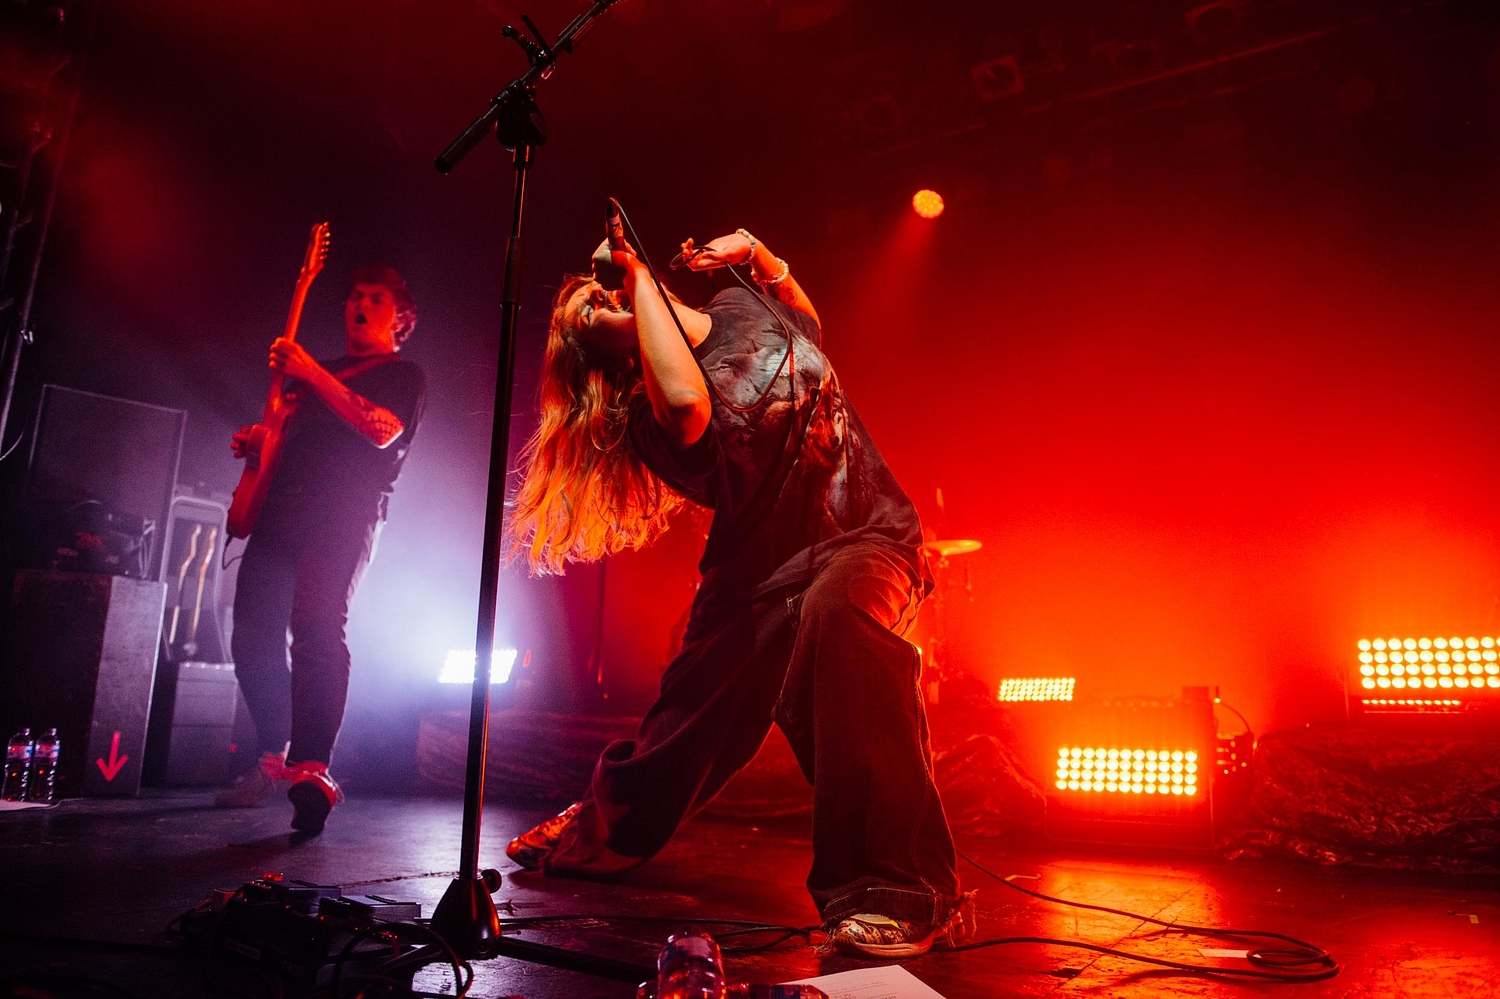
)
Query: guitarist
[{"x": 345, "y": 444}]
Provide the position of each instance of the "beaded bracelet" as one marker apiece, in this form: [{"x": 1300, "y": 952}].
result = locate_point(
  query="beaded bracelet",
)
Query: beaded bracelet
[
  {"x": 786, "y": 271},
  {"x": 746, "y": 234}
]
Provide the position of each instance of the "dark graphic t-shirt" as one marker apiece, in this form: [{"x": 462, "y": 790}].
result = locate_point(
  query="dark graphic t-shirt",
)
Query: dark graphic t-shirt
[
  {"x": 326, "y": 457},
  {"x": 791, "y": 480}
]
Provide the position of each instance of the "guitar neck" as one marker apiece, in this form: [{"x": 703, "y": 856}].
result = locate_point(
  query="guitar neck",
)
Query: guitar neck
[{"x": 293, "y": 321}]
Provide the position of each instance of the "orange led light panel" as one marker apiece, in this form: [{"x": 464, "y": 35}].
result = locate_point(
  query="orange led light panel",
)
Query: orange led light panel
[
  {"x": 1115, "y": 770},
  {"x": 1036, "y": 688},
  {"x": 1444, "y": 666}
]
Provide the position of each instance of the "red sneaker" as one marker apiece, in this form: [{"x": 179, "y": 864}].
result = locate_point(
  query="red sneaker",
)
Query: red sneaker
[
  {"x": 531, "y": 847},
  {"x": 313, "y": 794}
]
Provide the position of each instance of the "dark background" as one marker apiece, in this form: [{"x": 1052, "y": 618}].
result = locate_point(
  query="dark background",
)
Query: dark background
[{"x": 1202, "y": 350}]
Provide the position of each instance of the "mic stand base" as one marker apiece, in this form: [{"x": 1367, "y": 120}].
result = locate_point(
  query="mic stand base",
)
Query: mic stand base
[{"x": 465, "y": 917}]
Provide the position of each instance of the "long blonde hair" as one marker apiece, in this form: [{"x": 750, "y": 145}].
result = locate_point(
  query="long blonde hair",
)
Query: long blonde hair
[{"x": 584, "y": 493}]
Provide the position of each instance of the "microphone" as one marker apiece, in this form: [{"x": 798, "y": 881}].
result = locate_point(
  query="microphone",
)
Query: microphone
[
  {"x": 614, "y": 229},
  {"x": 606, "y": 271}
]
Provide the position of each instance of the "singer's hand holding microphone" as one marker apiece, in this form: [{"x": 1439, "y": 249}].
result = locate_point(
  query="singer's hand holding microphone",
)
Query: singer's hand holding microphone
[{"x": 615, "y": 257}]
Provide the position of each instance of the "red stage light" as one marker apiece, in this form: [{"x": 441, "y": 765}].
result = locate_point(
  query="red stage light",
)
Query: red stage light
[
  {"x": 928, "y": 204},
  {"x": 1036, "y": 688},
  {"x": 1392, "y": 669},
  {"x": 1128, "y": 771},
  {"x": 1141, "y": 770}
]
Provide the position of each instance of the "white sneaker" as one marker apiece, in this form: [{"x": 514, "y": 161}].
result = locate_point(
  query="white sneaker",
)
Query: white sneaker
[
  {"x": 868, "y": 934},
  {"x": 249, "y": 790}
]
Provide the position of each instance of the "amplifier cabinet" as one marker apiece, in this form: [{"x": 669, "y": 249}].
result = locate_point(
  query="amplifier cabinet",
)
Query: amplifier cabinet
[
  {"x": 80, "y": 654},
  {"x": 192, "y": 723}
]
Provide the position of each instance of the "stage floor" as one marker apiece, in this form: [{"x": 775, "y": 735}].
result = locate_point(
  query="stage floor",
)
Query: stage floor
[{"x": 104, "y": 878}]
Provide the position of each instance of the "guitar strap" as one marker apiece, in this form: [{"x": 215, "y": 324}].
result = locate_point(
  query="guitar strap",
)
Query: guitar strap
[
  {"x": 357, "y": 368},
  {"x": 360, "y": 367}
]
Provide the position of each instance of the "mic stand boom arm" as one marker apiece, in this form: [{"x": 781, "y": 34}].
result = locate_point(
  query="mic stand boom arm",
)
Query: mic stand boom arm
[
  {"x": 466, "y": 917},
  {"x": 512, "y": 112}
]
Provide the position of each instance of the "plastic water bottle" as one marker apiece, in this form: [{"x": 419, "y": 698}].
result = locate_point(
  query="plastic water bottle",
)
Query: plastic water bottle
[
  {"x": 43, "y": 784},
  {"x": 18, "y": 765},
  {"x": 689, "y": 967}
]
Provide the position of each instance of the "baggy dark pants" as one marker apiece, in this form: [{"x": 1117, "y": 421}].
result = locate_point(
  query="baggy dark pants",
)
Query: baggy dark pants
[
  {"x": 828, "y": 665},
  {"x": 302, "y": 564}
]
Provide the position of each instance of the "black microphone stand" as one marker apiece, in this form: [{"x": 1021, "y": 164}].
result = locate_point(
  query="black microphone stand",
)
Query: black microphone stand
[{"x": 466, "y": 916}]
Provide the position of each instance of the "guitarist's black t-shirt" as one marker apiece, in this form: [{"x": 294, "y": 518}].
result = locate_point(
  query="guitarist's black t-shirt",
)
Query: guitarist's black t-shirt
[{"x": 326, "y": 457}]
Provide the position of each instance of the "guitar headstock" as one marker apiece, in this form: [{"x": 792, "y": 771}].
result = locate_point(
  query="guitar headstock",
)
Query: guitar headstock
[{"x": 317, "y": 252}]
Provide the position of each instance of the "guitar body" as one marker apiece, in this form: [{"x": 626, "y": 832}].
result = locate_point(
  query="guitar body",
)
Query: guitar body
[
  {"x": 263, "y": 450},
  {"x": 262, "y": 455}
]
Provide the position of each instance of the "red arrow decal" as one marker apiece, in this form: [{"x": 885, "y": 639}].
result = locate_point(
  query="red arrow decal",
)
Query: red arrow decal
[{"x": 111, "y": 770}]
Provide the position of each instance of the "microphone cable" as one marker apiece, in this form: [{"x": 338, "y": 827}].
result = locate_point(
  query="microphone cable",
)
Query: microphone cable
[
  {"x": 1296, "y": 961},
  {"x": 787, "y": 358}
]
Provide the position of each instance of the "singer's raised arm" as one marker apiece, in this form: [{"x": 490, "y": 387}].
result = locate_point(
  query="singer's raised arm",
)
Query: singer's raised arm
[
  {"x": 772, "y": 273},
  {"x": 674, "y": 384},
  {"x": 775, "y": 276}
]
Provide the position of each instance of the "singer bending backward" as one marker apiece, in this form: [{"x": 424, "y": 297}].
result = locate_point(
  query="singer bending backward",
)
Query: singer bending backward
[{"x": 812, "y": 573}]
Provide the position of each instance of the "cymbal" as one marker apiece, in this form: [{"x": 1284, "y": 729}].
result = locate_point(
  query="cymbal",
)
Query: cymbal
[{"x": 953, "y": 546}]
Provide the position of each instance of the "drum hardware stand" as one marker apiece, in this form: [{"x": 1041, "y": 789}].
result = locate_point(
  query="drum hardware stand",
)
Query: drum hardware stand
[{"x": 939, "y": 553}]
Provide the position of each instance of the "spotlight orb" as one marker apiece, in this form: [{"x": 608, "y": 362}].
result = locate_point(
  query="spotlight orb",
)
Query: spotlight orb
[{"x": 928, "y": 204}]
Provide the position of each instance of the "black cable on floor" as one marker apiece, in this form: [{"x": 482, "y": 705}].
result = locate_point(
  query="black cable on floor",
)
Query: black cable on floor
[
  {"x": 738, "y": 927},
  {"x": 1196, "y": 969},
  {"x": 396, "y": 932},
  {"x": 1300, "y": 954},
  {"x": 33, "y": 938},
  {"x": 44, "y": 980}
]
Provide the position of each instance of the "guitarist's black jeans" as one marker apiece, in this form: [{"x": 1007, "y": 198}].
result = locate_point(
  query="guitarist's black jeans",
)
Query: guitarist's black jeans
[{"x": 302, "y": 565}]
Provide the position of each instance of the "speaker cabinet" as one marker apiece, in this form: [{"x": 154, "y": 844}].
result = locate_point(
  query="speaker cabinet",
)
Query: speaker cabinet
[
  {"x": 118, "y": 455},
  {"x": 80, "y": 654},
  {"x": 192, "y": 724}
]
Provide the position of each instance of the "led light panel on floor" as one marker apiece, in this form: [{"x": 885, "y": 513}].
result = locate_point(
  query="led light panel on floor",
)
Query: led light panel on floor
[
  {"x": 1138, "y": 770},
  {"x": 1036, "y": 688},
  {"x": 459, "y": 666},
  {"x": 1428, "y": 675},
  {"x": 1092, "y": 770}
]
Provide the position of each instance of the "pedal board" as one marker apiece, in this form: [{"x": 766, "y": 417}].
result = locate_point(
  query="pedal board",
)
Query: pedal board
[{"x": 303, "y": 932}]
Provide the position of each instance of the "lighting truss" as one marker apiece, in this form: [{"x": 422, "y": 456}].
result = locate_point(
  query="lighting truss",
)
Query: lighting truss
[
  {"x": 1036, "y": 688},
  {"x": 1428, "y": 675}
]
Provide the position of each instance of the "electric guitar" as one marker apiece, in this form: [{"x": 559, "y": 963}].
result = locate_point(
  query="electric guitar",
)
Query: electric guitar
[
  {"x": 181, "y": 581},
  {"x": 263, "y": 450},
  {"x": 191, "y": 645}
]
